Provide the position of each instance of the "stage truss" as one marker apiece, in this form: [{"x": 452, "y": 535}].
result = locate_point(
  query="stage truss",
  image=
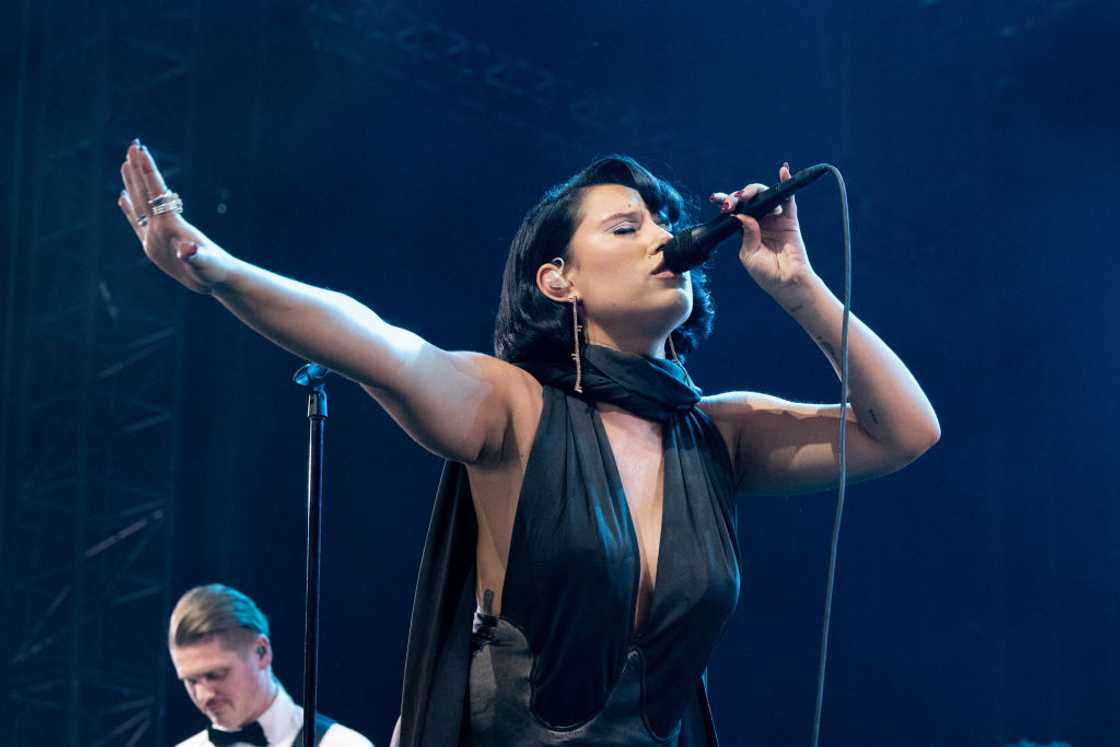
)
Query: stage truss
[{"x": 94, "y": 364}]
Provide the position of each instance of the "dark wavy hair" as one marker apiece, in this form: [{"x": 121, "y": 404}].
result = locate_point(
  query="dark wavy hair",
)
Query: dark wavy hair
[{"x": 530, "y": 326}]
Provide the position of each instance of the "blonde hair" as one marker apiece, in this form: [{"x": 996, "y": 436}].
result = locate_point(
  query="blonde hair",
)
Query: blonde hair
[{"x": 216, "y": 611}]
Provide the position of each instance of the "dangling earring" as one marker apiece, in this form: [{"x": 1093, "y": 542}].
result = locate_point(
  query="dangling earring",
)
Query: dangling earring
[
  {"x": 576, "y": 329},
  {"x": 677, "y": 360},
  {"x": 557, "y": 282}
]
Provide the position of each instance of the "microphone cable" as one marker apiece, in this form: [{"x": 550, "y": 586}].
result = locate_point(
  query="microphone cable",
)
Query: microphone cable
[
  {"x": 843, "y": 455},
  {"x": 694, "y": 246}
]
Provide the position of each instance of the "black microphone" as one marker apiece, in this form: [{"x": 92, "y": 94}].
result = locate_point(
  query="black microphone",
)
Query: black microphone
[{"x": 694, "y": 245}]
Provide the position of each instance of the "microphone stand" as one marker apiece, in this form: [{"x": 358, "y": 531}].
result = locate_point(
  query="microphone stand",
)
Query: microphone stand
[{"x": 312, "y": 376}]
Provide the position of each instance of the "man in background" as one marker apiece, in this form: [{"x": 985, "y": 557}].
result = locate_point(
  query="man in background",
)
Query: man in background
[{"x": 222, "y": 654}]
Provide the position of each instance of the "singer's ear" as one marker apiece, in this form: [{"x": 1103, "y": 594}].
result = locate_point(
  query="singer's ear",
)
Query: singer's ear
[{"x": 552, "y": 283}]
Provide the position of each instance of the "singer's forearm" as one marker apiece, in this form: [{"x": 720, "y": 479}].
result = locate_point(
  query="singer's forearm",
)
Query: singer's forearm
[
  {"x": 316, "y": 324},
  {"x": 885, "y": 398}
]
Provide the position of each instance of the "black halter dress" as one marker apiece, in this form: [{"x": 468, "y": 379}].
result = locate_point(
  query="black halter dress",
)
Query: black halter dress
[{"x": 563, "y": 664}]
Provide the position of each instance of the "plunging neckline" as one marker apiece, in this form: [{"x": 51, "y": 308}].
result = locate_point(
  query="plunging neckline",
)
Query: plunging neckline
[
  {"x": 637, "y": 631},
  {"x": 569, "y": 587}
]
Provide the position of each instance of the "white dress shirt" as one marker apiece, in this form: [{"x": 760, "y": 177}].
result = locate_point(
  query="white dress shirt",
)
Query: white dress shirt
[{"x": 281, "y": 722}]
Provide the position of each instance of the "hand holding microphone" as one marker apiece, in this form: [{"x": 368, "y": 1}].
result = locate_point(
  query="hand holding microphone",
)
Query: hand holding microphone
[{"x": 772, "y": 250}]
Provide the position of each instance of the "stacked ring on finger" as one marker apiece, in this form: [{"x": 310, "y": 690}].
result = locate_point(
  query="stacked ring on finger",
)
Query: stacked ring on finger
[
  {"x": 142, "y": 219},
  {"x": 168, "y": 202}
]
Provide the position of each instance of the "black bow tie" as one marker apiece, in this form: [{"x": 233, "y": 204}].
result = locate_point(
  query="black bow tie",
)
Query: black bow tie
[{"x": 251, "y": 734}]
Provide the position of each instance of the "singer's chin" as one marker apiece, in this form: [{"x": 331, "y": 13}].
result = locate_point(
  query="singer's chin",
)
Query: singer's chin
[{"x": 675, "y": 298}]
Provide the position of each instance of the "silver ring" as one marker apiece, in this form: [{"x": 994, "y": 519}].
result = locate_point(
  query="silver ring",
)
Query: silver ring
[
  {"x": 168, "y": 202},
  {"x": 142, "y": 219},
  {"x": 162, "y": 197},
  {"x": 168, "y": 207}
]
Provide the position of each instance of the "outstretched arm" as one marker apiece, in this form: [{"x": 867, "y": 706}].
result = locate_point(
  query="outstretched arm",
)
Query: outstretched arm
[
  {"x": 454, "y": 404},
  {"x": 787, "y": 447}
]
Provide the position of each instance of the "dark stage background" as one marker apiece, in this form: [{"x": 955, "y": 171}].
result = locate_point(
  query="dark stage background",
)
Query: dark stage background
[{"x": 389, "y": 150}]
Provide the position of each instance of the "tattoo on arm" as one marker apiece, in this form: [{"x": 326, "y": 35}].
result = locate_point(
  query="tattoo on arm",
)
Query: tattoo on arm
[
  {"x": 829, "y": 350},
  {"x": 488, "y": 602}
]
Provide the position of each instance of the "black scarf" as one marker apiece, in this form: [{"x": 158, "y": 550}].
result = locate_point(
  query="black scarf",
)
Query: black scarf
[{"x": 651, "y": 388}]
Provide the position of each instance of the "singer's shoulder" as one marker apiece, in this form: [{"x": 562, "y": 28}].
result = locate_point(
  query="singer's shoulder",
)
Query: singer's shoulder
[
  {"x": 733, "y": 405},
  {"x": 754, "y": 422},
  {"x": 509, "y": 388},
  {"x": 726, "y": 411},
  {"x": 497, "y": 371}
]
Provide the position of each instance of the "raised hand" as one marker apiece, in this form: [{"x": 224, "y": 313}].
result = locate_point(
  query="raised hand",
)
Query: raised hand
[
  {"x": 169, "y": 241},
  {"x": 772, "y": 250}
]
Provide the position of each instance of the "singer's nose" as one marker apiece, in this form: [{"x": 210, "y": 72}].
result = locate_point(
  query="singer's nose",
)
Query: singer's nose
[{"x": 661, "y": 239}]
